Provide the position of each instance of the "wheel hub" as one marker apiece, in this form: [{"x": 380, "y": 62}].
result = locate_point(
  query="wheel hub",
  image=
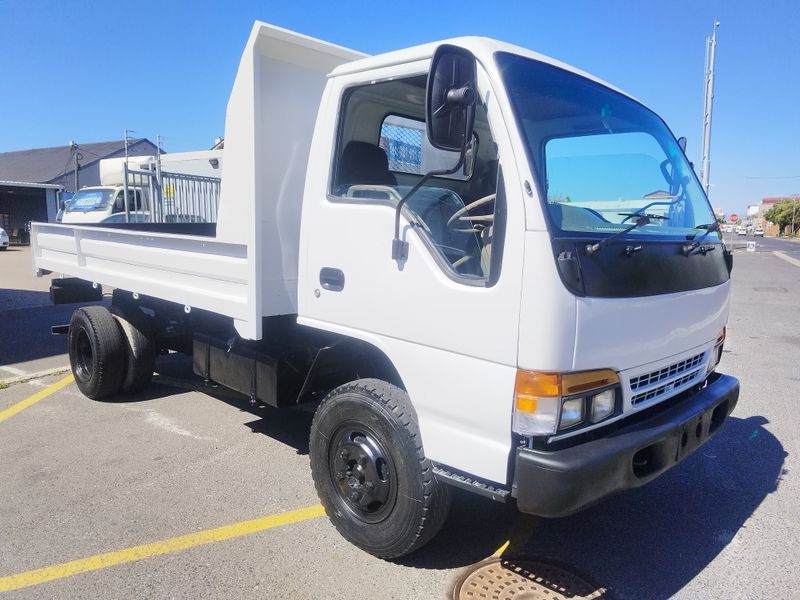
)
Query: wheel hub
[
  {"x": 83, "y": 356},
  {"x": 361, "y": 471}
]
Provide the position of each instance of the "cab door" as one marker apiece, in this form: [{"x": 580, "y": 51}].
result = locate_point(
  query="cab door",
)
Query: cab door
[{"x": 447, "y": 317}]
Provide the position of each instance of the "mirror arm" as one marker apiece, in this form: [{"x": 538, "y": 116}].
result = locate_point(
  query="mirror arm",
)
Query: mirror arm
[{"x": 400, "y": 247}]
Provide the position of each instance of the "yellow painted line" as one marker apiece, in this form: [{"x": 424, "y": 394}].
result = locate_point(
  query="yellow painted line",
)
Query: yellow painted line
[
  {"x": 497, "y": 553},
  {"x": 118, "y": 557},
  {"x": 31, "y": 400}
]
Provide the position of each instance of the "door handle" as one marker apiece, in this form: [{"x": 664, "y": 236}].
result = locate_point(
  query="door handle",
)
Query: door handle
[{"x": 331, "y": 279}]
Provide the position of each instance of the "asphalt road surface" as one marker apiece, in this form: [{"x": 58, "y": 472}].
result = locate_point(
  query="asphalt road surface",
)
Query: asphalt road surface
[{"x": 79, "y": 478}]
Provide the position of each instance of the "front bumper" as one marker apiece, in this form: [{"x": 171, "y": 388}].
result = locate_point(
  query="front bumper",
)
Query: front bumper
[{"x": 563, "y": 482}]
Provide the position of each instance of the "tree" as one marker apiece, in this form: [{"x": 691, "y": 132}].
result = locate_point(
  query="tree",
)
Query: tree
[{"x": 781, "y": 214}]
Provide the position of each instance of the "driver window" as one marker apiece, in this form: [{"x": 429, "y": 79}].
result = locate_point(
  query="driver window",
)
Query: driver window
[{"x": 383, "y": 151}]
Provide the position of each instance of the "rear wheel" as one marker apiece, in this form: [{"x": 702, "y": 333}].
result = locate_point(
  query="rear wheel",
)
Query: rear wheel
[
  {"x": 140, "y": 354},
  {"x": 370, "y": 470},
  {"x": 96, "y": 352}
]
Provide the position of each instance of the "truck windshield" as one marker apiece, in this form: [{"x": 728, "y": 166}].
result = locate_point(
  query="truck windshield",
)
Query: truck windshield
[
  {"x": 600, "y": 157},
  {"x": 90, "y": 199}
]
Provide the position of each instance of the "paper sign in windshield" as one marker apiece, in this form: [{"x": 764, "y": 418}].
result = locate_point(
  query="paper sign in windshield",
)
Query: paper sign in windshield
[{"x": 88, "y": 200}]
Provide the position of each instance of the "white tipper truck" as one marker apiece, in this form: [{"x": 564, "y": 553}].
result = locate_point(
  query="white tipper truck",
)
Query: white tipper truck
[{"x": 484, "y": 268}]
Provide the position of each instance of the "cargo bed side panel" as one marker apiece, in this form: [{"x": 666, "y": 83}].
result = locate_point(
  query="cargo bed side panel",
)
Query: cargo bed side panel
[{"x": 194, "y": 271}]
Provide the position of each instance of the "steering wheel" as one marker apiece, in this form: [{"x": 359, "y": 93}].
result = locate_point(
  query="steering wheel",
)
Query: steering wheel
[{"x": 462, "y": 214}]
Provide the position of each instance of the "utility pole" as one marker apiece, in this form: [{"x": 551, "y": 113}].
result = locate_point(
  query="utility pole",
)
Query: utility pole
[
  {"x": 159, "y": 205},
  {"x": 127, "y": 137},
  {"x": 708, "y": 106},
  {"x": 76, "y": 156}
]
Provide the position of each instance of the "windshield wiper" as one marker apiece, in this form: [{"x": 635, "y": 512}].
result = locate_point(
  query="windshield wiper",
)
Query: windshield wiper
[
  {"x": 689, "y": 248},
  {"x": 641, "y": 220}
]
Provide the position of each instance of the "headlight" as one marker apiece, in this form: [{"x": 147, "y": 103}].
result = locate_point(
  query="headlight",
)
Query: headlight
[
  {"x": 571, "y": 413},
  {"x": 546, "y": 403},
  {"x": 716, "y": 353},
  {"x": 602, "y": 405}
]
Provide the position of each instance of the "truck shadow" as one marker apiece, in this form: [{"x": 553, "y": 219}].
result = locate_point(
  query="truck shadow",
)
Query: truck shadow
[
  {"x": 290, "y": 426},
  {"x": 646, "y": 543},
  {"x": 25, "y": 320}
]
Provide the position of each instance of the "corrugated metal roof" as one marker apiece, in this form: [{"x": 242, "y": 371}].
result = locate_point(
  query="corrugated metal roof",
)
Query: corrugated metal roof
[
  {"x": 47, "y": 165},
  {"x": 31, "y": 184}
]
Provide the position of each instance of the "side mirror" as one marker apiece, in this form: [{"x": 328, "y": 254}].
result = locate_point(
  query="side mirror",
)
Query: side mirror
[
  {"x": 450, "y": 98},
  {"x": 682, "y": 144}
]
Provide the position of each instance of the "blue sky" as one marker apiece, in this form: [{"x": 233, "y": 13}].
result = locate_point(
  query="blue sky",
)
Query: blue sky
[{"x": 85, "y": 71}]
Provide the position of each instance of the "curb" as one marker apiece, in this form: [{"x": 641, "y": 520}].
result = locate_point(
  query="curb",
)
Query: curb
[{"x": 36, "y": 375}]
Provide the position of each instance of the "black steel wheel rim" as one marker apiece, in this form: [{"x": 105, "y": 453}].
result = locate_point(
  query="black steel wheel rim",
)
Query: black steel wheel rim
[
  {"x": 363, "y": 472},
  {"x": 83, "y": 356}
]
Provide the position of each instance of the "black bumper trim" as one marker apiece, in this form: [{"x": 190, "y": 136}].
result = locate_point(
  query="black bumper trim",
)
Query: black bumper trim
[{"x": 563, "y": 482}]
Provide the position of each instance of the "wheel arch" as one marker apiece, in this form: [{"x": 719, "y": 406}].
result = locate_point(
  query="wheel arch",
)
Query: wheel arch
[{"x": 345, "y": 359}]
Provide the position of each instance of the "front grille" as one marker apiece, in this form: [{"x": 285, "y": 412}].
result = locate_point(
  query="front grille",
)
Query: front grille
[
  {"x": 663, "y": 389},
  {"x": 667, "y": 372}
]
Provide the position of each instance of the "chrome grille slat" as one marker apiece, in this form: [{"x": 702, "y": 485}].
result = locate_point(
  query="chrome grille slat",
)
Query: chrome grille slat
[
  {"x": 663, "y": 389},
  {"x": 666, "y": 372}
]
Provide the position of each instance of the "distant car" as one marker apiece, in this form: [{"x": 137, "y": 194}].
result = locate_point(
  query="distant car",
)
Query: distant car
[
  {"x": 758, "y": 231},
  {"x": 727, "y": 228},
  {"x": 741, "y": 230},
  {"x": 134, "y": 216},
  {"x": 3, "y": 239}
]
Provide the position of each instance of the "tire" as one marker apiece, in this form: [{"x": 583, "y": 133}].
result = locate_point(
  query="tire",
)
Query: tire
[
  {"x": 140, "y": 355},
  {"x": 365, "y": 432},
  {"x": 96, "y": 352}
]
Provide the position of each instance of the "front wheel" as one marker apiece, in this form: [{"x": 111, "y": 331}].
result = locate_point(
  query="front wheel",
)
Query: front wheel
[{"x": 370, "y": 471}]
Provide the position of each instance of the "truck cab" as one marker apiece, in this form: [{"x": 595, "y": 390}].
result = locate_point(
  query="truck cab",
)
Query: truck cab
[
  {"x": 93, "y": 204},
  {"x": 565, "y": 280}
]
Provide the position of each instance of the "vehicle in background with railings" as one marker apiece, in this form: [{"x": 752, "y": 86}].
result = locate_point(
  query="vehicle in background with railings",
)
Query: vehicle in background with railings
[
  {"x": 480, "y": 267},
  {"x": 169, "y": 188},
  {"x": 96, "y": 203}
]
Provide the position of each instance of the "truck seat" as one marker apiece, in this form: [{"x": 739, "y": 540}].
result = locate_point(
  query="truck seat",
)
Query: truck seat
[{"x": 363, "y": 163}]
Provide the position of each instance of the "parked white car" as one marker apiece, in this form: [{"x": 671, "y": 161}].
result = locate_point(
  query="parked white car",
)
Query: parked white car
[
  {"x": 758, "y": 231},
  {"x": 3, "y": 239},
  {"x": 741, "y": 230}
]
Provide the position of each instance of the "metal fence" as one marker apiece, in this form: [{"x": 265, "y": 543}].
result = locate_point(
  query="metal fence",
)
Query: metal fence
[
  {"x": 154, "y": 196},
  {"x": 403, "y": 146}
]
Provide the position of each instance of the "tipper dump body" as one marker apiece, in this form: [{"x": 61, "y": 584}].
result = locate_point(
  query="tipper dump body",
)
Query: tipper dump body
[{"x": 248, "y": 270}]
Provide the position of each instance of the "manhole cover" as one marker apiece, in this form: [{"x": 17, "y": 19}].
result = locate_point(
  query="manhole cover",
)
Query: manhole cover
[{"x": 523, "y": 579}]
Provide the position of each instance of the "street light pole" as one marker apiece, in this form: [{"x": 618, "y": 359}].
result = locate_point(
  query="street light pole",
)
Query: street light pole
[{"x": 708, "y": 106}]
